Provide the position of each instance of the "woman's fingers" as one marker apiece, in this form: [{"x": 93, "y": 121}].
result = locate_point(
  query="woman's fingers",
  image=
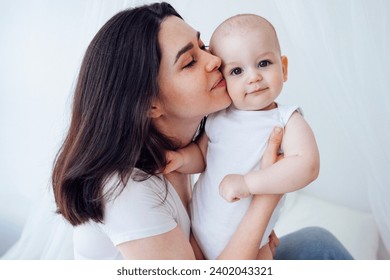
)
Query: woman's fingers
[{"x": 271, "y": 153}]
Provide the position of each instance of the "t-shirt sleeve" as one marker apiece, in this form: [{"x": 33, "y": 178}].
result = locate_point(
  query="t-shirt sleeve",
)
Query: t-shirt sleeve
[
  {"x": 286, "y": 112},
  {"x": 139, "y": 211}
]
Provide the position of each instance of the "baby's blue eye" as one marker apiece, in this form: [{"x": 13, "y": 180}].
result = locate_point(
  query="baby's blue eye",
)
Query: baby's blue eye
[
  {"x": 264, "y": 63},
  {"x": 236, "y": 71}
]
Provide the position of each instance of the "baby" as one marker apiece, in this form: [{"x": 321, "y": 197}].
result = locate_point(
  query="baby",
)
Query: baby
[{"x": 235, "y": 138}]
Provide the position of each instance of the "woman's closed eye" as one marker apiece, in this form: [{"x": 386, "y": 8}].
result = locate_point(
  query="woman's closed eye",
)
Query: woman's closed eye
[
  {"x": 203, "y": 47},
  {"x": 191, "y": 63}
]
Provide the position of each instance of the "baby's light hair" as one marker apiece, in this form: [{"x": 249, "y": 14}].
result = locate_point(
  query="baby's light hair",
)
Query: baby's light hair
[{"x": 240, "y": 21}]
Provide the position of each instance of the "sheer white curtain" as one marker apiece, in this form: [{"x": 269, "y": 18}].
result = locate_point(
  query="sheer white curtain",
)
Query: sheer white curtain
[
  {"x": 42, "y": 46},
  {"x": 341, "y": 51},
  {"x": 338, "y": 73}
]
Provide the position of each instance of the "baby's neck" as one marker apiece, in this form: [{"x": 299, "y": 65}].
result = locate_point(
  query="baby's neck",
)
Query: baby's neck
[{"x": 269, "y": 107}]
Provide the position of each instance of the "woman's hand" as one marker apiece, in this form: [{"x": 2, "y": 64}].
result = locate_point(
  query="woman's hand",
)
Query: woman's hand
[{"x": 271, "y": 154}]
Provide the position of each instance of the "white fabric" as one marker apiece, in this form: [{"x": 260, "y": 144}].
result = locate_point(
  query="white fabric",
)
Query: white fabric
[
  {"x": 142, "y": 209},
  {"x": 236, "y": 143},
  {"x": 338, "y": 71},
  {"x": 46, "y": 235}
]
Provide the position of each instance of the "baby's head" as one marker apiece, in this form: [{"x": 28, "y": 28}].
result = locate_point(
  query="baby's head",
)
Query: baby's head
[{"x": 252, "y": 63}]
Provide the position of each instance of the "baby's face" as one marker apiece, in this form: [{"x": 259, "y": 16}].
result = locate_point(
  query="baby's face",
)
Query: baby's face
[{"x": 252, "y": 66}]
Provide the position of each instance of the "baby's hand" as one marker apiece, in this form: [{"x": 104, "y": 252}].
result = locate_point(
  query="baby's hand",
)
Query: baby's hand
[
  {"x": 233, "y": 187},
  {"x": 174, "y": 161}
]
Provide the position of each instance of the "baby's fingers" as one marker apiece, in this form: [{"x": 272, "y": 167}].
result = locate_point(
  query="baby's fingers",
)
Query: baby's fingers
[
  {"x": 173, "y": 162},
  {"x": 169, "y": 168}
]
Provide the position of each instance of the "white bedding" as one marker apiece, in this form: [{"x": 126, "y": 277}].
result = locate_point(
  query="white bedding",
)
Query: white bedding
[{"x": 355, "y": 229}]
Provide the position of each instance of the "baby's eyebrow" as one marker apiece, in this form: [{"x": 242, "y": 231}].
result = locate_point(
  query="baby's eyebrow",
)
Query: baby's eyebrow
[{"x": 230, "y": 64}]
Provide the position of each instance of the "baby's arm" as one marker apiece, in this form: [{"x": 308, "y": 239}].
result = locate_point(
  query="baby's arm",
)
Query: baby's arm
[
  {"x": 298, "y": 168},
  {"x": 190, "y": 159}
]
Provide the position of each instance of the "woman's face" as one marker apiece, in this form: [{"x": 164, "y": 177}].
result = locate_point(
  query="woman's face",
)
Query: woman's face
[{"x": 191, "y": 86}]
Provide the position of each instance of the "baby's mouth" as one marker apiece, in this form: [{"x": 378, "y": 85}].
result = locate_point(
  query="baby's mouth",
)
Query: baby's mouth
[{"x": 258, "y": 91}]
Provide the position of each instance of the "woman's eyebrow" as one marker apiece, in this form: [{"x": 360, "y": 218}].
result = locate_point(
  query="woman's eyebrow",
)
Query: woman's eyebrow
[{"x": 186, "y": 48}]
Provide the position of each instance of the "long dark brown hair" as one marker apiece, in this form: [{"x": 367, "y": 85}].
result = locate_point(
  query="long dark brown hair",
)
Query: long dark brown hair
[{"x": 110, "y": 130}]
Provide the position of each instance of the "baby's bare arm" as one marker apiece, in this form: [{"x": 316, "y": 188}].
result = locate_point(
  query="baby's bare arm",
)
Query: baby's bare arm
[
  {"x": 188, "y": 160},
  {"x": 299, "y": 167}
]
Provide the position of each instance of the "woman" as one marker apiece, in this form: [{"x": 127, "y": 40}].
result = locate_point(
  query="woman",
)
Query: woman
[{"x": 145, "y": 85}]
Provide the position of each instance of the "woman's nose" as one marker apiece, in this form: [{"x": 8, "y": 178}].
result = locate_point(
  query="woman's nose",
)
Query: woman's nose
[{"x": 213, "y": 63}]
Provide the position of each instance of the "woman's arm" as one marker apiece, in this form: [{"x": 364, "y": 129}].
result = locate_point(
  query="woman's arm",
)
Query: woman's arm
[
  {"x": 197, "y": 251},
  {"x": 175, "y": 245},
  {"x": 172, "y": 245},
  {"x": 246, "y": 240},
  {"x": 243, "y": 245}
]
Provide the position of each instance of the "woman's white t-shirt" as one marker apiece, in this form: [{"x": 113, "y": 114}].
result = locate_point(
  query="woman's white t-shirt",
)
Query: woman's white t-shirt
[{"x": 142, "y": 209}]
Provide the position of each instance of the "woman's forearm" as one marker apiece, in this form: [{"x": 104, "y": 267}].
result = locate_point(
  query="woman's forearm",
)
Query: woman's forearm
[{"x": 246, "y": 240}]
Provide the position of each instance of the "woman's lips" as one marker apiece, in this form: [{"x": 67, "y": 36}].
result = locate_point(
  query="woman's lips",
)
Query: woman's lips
[{"x": 221, "y": 83}]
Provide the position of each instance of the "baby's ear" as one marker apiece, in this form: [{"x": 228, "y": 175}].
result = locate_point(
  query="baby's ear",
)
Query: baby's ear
[{"x": 285, "y": 67}]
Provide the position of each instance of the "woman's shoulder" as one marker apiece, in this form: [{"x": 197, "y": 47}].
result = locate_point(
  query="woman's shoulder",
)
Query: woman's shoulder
[
  {"x": 138, "y": 184},
  {"x": 134, "y": 198},
  {"x": 137, "y": 208}
]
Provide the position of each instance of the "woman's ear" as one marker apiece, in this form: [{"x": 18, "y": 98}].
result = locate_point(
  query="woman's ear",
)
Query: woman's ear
[
  {"x": 155, "y": 110},
  {"x": 285, "y": 67}
]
